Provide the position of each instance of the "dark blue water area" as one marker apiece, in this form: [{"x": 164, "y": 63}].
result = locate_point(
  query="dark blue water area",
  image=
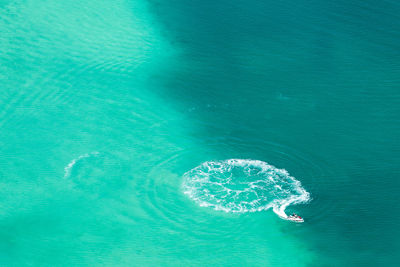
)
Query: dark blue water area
[{"x": 309, "y": 86}]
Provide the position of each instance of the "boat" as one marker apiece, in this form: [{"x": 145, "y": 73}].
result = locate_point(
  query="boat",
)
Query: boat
[{"x": 295, "y": 218}]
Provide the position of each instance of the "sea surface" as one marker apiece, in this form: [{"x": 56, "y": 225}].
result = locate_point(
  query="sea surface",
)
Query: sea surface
[{"x": 182, "y": 133}]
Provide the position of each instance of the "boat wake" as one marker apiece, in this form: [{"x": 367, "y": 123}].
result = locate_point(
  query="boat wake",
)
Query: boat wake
[
  {"x": 242, "y": 185},
  {"x": 68, "y": 168}
]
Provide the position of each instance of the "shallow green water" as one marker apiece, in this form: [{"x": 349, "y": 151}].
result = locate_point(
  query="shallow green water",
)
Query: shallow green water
[{"x": 105, "y": 105}]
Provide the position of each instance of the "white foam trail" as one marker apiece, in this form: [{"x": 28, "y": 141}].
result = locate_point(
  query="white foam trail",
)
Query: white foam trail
[
  {"x": 242, "y": 185},
  {"x": 68, "y": 168}
]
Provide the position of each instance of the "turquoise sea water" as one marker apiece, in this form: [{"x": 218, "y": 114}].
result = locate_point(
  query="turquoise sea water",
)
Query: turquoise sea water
[{"x": 120, "y": 120}]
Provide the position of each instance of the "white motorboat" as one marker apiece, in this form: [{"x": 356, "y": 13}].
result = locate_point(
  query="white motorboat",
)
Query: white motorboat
[{"x": 295, "y": 218}]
